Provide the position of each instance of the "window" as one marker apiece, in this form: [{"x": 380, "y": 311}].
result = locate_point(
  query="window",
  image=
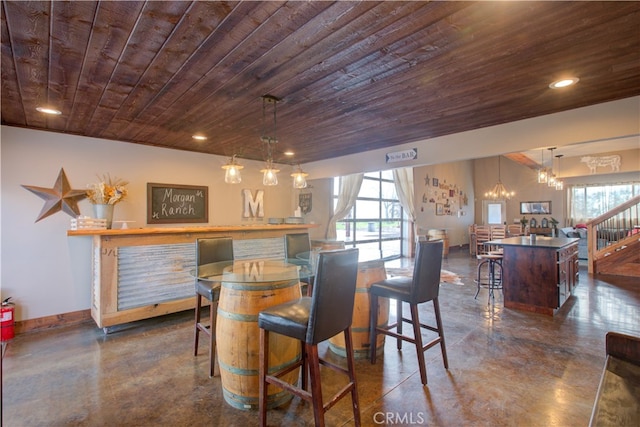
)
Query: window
[
  {"x": 590, "y": 201},
  {"x": 493, "y": 212},
  {"x": 376, "y": 223}
]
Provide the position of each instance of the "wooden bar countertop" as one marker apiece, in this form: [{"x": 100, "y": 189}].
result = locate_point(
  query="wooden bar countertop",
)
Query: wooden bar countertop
[{"x": 188, "y": 229}]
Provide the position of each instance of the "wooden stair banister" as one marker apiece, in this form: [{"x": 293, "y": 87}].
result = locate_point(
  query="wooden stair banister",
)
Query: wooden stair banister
[{"x": 625, "y": 214}]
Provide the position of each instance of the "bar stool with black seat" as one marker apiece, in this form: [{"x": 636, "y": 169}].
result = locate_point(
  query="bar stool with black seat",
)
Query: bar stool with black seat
[
  {"x": 295, "y": 244},
  {"x": 422, "y": 287},
  {"x": 209, "y": 250},
  {"x": 311, "y": 320}
]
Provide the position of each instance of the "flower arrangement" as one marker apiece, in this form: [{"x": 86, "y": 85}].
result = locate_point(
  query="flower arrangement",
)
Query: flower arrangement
[{"x": 108, "y": 191}]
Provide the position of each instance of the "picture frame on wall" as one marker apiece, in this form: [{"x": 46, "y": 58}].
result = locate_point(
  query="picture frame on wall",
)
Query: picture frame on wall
[
  {"x": 535, "y": 208},
  {"x": 439, "y": 209},
  {"x": 435, "y": 182}
]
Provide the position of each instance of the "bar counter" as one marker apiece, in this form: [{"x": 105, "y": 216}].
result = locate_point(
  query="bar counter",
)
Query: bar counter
[
  {"x": 538, "y": 275},
  {"x": 140, "y": 273}
]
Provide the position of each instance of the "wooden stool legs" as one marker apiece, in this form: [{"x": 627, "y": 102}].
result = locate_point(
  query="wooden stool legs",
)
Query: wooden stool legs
[{"x": 209, "y": 330}]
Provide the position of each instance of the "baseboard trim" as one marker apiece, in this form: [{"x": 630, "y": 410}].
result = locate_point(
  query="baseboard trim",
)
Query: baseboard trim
[{"x": 55, "y": 321}]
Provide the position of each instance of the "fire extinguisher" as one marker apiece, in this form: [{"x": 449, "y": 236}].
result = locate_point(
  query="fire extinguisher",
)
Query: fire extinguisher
[{"x": 7, "y": 320}]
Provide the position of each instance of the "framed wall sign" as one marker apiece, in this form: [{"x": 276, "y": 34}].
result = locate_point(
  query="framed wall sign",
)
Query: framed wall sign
[
  {"x": 535, "y": 207},
  {"x": 173, "y": 203}
]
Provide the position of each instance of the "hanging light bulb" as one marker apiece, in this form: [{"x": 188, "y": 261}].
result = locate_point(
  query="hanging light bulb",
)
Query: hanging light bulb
[
  {"x": 542, "y": 172},
  {"x": 232, "y": 171},
  {"x": 299, "y": 178},
  {"x": 551, "y": 178},
  {"x": 559, "y": 182},
  {"x": 270, "y": 176}
]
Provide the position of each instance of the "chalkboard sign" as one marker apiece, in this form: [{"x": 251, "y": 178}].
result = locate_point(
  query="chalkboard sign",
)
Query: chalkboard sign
[{"x": 169, "y": 203}]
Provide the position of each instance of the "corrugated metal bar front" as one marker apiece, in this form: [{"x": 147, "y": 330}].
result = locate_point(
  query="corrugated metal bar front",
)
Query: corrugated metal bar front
[
  {"x": 154, "y": 274},
  {"x": 259, "y": 248}
]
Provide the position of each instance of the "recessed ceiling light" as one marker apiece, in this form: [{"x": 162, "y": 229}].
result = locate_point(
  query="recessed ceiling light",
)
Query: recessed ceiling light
[
  {"x": 558, "y": 84},
  {"x": 199, "y": 137},
  {"x": 47, "y": 110},
  {"x": 288, "y": 153}
]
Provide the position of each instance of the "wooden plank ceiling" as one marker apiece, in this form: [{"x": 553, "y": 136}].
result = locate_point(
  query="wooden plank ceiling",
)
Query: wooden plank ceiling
[{"x": 352, "y": 76}]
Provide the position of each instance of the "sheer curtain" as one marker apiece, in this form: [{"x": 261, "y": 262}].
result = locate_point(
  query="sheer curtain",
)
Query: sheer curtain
[
  {"x": 403, "y": 179},
  {"x": 349, "y": 189},
  {"x": 588, "y": 201}
]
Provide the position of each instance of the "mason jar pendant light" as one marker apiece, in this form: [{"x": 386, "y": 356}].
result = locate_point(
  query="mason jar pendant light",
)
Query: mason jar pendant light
[
  {"x": 270, "y": 176},
  {"x": 232, "y": 171},
  {"x": 551, "y": 178},
  {"x": 559, "y": 182},
  {"x": 542, "y": 172},
  {"x": 299, "y": 178}
]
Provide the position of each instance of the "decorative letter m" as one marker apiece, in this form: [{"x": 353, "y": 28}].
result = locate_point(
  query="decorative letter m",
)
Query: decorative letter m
[{"x": 253, "y": 207}]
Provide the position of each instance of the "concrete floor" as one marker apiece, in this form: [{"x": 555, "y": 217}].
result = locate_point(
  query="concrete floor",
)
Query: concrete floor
[{"x": 507, "y": 368}]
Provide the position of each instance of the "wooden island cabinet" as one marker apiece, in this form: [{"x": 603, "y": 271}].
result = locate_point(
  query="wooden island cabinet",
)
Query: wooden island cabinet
[
  {"x": 147, "y": 272},
  {"x": 538, "y": 276}
]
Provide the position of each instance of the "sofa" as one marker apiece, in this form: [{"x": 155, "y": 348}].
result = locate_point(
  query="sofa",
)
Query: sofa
[{"x": 580, "y": 233}]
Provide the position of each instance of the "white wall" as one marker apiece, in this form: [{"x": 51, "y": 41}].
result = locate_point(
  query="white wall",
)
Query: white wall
[
  {"x": 46, "y": 272},
  {"x": 457, "y": 176}
]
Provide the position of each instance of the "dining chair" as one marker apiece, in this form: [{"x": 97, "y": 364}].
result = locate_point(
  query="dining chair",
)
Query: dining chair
[
  {"x": 311, "y": 320},
  {"x": 471, "y": 230},
  {"x": 514, "y": 230},
  {"x": 483, "y": 234},
  {"x": 497, "y": 232},
  {"x": 295, "y": 244},
  {"x": 209, "y": 250},
  {"x": 423, "y": 286}
]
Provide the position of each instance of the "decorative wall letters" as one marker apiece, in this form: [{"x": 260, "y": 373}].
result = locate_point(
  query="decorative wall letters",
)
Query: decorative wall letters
[{"x": 253, "y": 207}]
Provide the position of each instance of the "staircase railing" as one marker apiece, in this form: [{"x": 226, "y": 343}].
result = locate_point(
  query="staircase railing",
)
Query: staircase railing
[{"x": 608, "y": 231}]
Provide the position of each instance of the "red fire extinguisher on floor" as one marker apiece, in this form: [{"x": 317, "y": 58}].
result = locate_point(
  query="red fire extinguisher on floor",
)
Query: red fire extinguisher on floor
[{"x": 7, "y": 320}]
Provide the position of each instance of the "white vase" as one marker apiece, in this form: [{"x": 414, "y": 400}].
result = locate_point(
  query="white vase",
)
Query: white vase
[{"x": 104, "y": 212}]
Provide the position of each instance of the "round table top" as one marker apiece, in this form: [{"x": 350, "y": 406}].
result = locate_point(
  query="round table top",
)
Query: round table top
[{"x": 253, "y": 270}]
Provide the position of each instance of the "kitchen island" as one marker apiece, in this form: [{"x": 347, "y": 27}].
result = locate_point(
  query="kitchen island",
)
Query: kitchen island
[{"x": 539, "y": 274}]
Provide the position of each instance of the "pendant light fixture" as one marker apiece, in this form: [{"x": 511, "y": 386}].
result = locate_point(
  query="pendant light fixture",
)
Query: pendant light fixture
[
  {"x": 542, "y": 172},
  {"x": 499, "y": 192},
  {"x": 232, "y": 171},
  {"x": 559, "y": 182},
  {"x": 551, "y": 178},
  {"x": 270, "y": 176},
  {"x": 299, "y": 178}
]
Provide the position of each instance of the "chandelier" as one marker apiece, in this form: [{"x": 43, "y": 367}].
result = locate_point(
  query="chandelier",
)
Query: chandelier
[{"x": 499, "y": 192}]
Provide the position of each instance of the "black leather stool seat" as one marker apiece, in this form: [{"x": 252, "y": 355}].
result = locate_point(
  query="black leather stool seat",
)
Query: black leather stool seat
[
  {"x": 290, "y": 319},
  {"x": 209, "y": 290},
  {"x": 395, "y": 288}
]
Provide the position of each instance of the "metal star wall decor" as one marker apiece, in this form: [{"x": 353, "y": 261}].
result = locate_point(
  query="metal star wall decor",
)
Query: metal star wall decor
[{"x": 60, "y": 197}]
